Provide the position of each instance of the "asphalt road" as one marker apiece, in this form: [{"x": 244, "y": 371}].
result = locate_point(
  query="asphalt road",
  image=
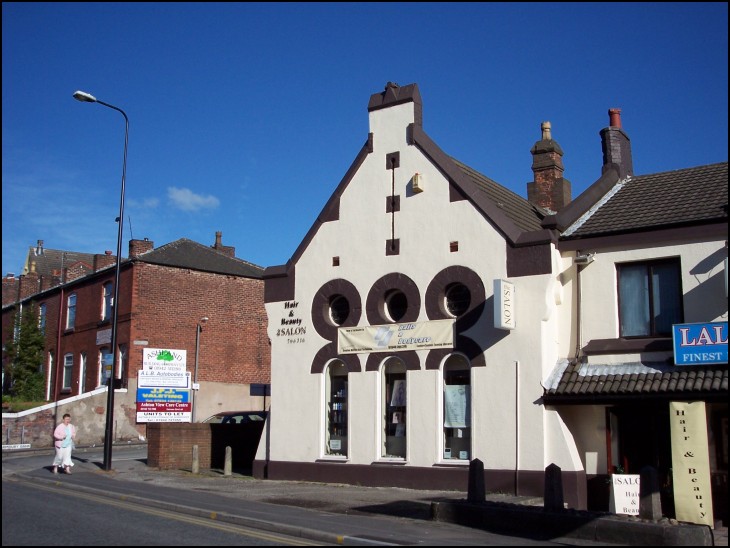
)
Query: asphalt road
[{"x": 322, "y": 513}]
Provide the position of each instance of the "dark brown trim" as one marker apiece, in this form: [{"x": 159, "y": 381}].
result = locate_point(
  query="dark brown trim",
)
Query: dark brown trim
[
  {"x": 627, "y": 346},
  {"x": 279, "y": 284},
  {"x": 392, "y": 203},
  {"x": 328, "y": 353},
  {"x": 374, "y": 305},
  {"x": 392, "y": 160},
  {"x": 456, "y": 478},
  {"x": 529, "y": 261},
  {"x": 408, "y": 357},
  {"x": 436, "y": 293},
  {"x": 648, "y": 238},
  {"x": 321, "y": 302},
  {"x": 392, "y": 247}
]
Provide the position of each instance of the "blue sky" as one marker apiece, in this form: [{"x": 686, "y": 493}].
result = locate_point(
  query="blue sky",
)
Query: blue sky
[{"x": 244, "y": 117}]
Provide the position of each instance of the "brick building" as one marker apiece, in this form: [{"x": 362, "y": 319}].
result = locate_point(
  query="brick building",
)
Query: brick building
[{"x": 183, "y": 295}]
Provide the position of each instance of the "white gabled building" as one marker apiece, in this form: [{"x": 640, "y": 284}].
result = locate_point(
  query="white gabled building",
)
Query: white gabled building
[
  {"x": 431, "y": 317},
  {"x": 412, "y": 241}
]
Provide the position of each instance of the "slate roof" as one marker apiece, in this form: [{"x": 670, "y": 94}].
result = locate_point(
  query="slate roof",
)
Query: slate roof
[
  {"x": 50, "y": 262},
  {"x": 590, "y": 383},
  {"x": 661, "y": 200},
  {"x": 523, "y": 213},
  {"x": 184, "y": 253}
]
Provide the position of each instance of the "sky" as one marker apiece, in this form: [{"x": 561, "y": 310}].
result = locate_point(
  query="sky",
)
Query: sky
[{"x": 244, "y": 117}]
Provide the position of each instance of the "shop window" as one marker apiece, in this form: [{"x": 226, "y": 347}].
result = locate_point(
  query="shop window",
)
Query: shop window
[
  {"x": 457, "y": 299},
  {"x": 396, "y": 305},
  {"x": 339, "y": 309},
  {"x": 336, "y": 399},
  {"x": 71, "y": 311},
  {"x": 650, "y": 298},
  {"x": 68, "y": 365},
  {"x": 457, "y": 409},
  {"x": 394, "y": 409}
]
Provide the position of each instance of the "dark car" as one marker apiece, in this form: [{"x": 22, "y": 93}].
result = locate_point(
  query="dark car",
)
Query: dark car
[{"x": 237, "y": 417}]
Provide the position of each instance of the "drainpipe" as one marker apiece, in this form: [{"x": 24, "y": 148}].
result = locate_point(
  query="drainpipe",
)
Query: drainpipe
[{"x": 517, "y": 425}]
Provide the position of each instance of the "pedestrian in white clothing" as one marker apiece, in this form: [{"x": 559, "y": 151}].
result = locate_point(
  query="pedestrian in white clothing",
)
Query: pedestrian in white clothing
[{"x": 64, "y": 436}]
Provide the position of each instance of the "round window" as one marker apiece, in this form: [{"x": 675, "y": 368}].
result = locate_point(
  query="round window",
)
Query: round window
[
  {"x": 339, "y": 309},
  {"x": 396, "y": 304},
  {"x": 458, "y": 298}
]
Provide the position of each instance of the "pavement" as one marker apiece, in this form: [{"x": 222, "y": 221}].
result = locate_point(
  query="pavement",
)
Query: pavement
[{"x": 345, "y": 514}]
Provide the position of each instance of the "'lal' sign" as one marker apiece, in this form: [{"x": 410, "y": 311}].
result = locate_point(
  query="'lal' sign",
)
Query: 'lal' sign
[{"x": 700, "y": 343}]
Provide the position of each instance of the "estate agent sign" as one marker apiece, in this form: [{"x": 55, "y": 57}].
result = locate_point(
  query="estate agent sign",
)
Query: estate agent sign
[
  {"x": 700, "y": 343},
  {"x": 163, "y": 386}
]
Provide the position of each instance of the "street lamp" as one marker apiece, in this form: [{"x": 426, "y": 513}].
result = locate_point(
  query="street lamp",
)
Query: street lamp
[
  {"x": 109, "y": 429},
  {"x": 198, "y": 330}
]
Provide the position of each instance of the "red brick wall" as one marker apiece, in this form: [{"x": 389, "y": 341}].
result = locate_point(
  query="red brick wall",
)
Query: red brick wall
[
  {"x": 170, "y": 445},
  {"x": 169, "y": 303}
]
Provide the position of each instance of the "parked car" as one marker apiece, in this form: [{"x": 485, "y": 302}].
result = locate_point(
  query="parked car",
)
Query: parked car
[{"x": 237, "y": 417}]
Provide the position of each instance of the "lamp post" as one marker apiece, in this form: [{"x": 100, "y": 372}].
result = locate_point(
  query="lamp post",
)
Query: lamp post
[
  {"x": 109, "y": 428},
  {"x": 198, "y": 330}
]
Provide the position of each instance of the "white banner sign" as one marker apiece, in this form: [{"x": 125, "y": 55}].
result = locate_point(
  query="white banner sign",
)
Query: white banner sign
[
  {"x": 160, "y": 356},
  {"x": 163, "y": 416},
  {"x": 163, "y": 379},
  {"x": 395, "y": 337}
]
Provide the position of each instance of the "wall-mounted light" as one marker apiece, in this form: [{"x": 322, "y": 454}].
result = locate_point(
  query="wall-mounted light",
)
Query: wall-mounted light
[
  {"x": 584, "y": 259},
  {"x": 417, "y": 183}
]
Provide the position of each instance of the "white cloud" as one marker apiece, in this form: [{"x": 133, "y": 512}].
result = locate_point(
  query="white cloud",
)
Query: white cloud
[
  {"x": 146, "y": 203},
  {"x": 187, "y": 200}
]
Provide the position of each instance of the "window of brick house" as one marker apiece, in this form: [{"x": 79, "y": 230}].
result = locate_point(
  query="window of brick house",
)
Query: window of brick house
[
  {"x": 68, "y": 366},
  {"x": 106, "y": 302},
  {"x": 649, "y": 298},
  {"x": 71, "y": 311}
]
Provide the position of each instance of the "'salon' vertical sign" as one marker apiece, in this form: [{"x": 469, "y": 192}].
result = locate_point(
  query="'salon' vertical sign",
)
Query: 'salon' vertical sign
[{"x": 504, "y": 304}]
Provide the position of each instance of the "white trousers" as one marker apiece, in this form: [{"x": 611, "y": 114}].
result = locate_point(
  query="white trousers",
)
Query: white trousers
[{"x": 63, "y": 457}]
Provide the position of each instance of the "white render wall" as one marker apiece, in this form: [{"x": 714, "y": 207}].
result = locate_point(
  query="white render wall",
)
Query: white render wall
[
  {"x": 702, "y": 270},
  {"x": 506, "y": 414}
]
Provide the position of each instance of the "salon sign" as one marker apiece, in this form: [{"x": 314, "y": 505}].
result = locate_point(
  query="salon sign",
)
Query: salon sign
[{"x": 395, "y": 337}]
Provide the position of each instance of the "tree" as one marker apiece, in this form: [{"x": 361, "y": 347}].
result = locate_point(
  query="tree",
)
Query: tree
[{"x": 25, "y": 354}]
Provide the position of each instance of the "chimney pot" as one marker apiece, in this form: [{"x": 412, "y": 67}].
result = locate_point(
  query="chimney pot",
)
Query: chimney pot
[
  {"x": 107, "y": 252},
  {"x": 546, "y": 136},
  {"x": 614, "y": 117}
]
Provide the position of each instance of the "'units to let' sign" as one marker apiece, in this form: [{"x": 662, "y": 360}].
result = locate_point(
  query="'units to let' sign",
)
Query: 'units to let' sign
[{"x": 700, "y": 343}]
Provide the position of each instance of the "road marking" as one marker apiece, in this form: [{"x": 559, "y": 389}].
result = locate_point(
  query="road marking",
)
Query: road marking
[{"x": 205, "y": 522}]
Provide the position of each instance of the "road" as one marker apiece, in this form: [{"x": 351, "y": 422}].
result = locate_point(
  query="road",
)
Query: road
[
  {"x": 39, "y": 515},
  {"x": 133, "y": 504}
]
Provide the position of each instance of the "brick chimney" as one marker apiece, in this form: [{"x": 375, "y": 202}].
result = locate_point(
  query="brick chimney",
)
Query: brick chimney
[
  {"x": 29, "y": 283},
  {"x": 102, "y": 261},
  {"x": 227, "y": 250},
  {"x": 138, "y": 247},
  {"x": 549, "y": 190},
  {"x": 616, "y": 145},
  {"x": 10, "y": 289}
]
